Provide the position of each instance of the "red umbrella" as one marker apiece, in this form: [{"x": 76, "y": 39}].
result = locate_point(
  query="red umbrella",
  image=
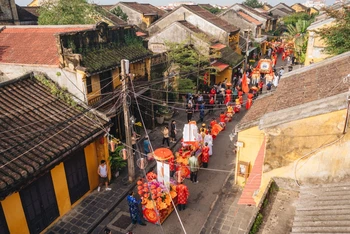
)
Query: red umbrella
[{"x": 162, "y": 154}]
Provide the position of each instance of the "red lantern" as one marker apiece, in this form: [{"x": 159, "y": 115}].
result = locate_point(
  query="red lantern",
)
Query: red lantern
[
  {"x": 112, "y": 145},
  {"x": 102, "y": 140},
  {"x": 124, "y": 154}
]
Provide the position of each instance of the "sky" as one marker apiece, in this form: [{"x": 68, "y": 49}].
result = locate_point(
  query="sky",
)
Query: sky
[{"x": 166, "y": 2}]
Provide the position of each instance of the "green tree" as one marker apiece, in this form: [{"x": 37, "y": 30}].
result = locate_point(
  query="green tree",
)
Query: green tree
[
  {"x": 337, "y": 35},
  {"x": 295, "y": 17},
  {"x": 63, "y": 12},
  {"x": 185, "y": 58},
  {"x": 213, "y": 10},
  {"x": 253, "y": 3},
  {"x": 298, "y": 35},
  {"x": 119, "y": 12}
]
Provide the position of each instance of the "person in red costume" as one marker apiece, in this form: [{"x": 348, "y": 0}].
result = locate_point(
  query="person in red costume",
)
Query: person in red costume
[
  {"x": 205, "y": 155},
  {"x": 228, "y": 96},
  {"x": 182, "y": 196},
  {"x": 249, "y": 101},
  {"x": 172, "y": 166},
  {"x": 212, "y": 93},
  {"x": 211, "y": 105},
  {"x": 237, "y": 106},
  {"x": 240, "y": 97}
]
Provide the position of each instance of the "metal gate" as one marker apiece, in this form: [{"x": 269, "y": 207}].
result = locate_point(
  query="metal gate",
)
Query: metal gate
[
  {"x": 76, "y": 174},
  {"x": 39, "y": 204}
]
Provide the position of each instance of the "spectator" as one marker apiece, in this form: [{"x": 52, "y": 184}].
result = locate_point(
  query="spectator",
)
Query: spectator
[{"x": 102, "y": 172}]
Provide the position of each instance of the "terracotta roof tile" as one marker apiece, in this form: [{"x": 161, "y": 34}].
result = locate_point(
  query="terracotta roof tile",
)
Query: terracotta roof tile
[
  {"x": 214, "y": 19},
  {"x": 32, "y": 45},
  {"x": 191, "y": 27},
  {"x": 218, "y": 46},
  {"x": 35, "y": 135},
  {"x": 254, "y": 179},
  {"x": 220, "y": 66},
  {"x": 144, "y": 8},
  {"x": 249, "y": 18}
]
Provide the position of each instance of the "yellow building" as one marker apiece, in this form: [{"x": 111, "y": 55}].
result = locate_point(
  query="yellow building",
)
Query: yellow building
[
  {"x": 95, "y": 56},
  {"x": 225, "y": 59},
  {"x": 298, "y": 7},
  {"x": 312, "y": 11},
  {"x": 301, "y": 136},
  {"x": 45, "y": 168},
  {"x": 315, "y": 46}
]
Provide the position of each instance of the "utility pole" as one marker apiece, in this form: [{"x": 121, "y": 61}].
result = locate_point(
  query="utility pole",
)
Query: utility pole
[
  {"x": 199, "y": 63},
  {"x": 131, "y": 164},
  {"x": 246, "y": 51}
]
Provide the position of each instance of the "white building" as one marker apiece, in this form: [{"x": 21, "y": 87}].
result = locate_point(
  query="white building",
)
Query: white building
[{"x": 318, "y": 4}]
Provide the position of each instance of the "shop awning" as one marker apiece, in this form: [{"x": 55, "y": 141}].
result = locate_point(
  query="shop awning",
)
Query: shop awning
[
  {"x": 254, "y": 179},
  {"x": 220, "y": 66}
]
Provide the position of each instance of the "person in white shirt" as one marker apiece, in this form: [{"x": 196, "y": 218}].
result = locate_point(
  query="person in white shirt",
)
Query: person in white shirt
[{"x": 102, "y": 172}]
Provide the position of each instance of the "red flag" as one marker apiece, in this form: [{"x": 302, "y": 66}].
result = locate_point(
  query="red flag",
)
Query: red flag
[{"x": 245, "y": 87}]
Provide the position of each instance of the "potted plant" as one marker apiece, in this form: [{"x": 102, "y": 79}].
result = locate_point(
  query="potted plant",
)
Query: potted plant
[
  {"x": 117, "y": 163},
  {"x": 159, "y": 118}
]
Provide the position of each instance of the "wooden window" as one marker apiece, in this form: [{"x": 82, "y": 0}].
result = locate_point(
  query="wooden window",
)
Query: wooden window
[
  {"x": 3, "y": 225},
  {"x": 39, "y": 203},
  {"x": 76, "y": 174},
  {"x": 88, "y": 84}
]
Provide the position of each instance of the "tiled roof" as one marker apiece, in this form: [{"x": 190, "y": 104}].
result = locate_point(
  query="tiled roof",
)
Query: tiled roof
[
  {"x": 32, "y": 45},
  {"x": 252, "y": 10},
  {"x": 249, "y": 18},
  {"x": 219, "y": 65},
  {"x": 38, "y": 131},
  {"x": 110, "y": 16},
  {"x": 254, "y": 179},
  {"x": 311, "y": 83},
  {"x": 283, "y": 10},
  {"x": 144, "y": 8},
  {"x": 301, "y": 5},
  {"x": 191, "y": 26},
  {"x": 285, "y": 7},
  {"x": 230, "y": 57},
  {"x": 214, "y": 19},
  {"x": 110, "y": 57},
  {"x": 260, "y": 107},
  {"x": 107, "y": 7},
  {"x": 27, "y": 13}
]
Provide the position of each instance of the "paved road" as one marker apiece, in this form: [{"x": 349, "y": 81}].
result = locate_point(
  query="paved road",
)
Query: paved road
[{"x": 202, "y": 195}]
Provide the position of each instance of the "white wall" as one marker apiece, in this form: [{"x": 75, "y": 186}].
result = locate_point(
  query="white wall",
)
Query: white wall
[
  {"x": 184, "y": 14},
  {"x": 67, "y": 78}
]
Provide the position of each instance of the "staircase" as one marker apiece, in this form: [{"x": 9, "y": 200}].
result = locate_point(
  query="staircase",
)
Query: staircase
[{"x": 323, "y": 209}]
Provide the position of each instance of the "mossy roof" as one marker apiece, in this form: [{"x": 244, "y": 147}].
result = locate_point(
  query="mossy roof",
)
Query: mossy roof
[
  {"x": 230, "y": 57},
  {"x": 106, "y": 58}
]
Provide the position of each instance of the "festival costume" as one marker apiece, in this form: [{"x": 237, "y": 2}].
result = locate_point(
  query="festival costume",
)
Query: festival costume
[
  {"x": 237, "y": 106},
  {"x": 228, "y": 96},
  {"x": 209, "y": 139},
  {"x": 134, "y": 210},
  {"x": 182, "y": 196},
  {"x": 230, "y": 112},
  {"x": 205, "y": 156}
]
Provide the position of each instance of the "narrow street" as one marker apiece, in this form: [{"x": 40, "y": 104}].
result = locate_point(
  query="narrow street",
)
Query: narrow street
[{"x": 202, "y": 195}]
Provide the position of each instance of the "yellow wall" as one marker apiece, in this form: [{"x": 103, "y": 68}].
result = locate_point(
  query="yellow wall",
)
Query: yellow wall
[
  {"x": 148, "y": 19},
  {"x": 295, "y": 150},
  {"x": 312, "y": 11},
  {"x": 234, "y": 42},
  {"x": 102, "y": 154},
  {"x": 252, "y": 139},
  {"x": 116, "y": 78},
  {"x": 14, "y": 214},
  {"x": 220, "y": 77},
  {"x": 60, "y": 185},
  {"x": 298, "y": 8},
  {"x": 92, "y": 164},
  {"x": 95, "y": 84}
]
